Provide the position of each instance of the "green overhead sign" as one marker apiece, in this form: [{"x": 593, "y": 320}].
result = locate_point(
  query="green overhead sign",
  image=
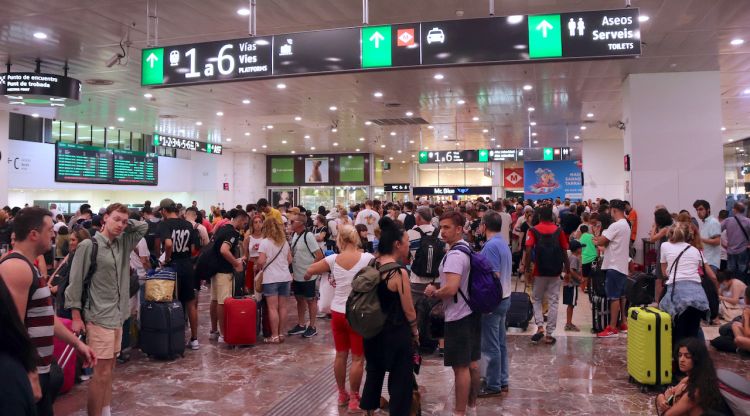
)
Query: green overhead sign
[
  {"x": 152, "y": 66},
  {"x": 548, "y": 153},
  {"x": 545, "y": 36},
  {"x": 376, "y": 46}
]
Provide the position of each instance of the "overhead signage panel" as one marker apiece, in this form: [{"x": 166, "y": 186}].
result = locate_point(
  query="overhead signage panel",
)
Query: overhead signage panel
[
  {"x": 452, "y": 190},
  {"x": 135, "y": 168},
  {"x": 449, "y": 156},
  {"x": 396, "y": 187},
  {"x": 494, "y": 155},
  {"x": 37, "y": 89},
  {"x": 499, "y": 155},
  {"x": 594, "y": 34},
  {"x": 187, "y": 144}
]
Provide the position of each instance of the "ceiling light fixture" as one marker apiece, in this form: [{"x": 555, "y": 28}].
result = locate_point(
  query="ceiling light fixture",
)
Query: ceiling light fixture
[
  {"x": 426, "y": 148},
  {"x": 533, "y": 123},
  {"x": 527, "y": 87},
  {"x": 485, "y": 131},
  {"x": 335, "y": 143},
  {"x": 307, "y": 136},
  {"x": 361, "y": 139},
  {"x": 531, "y": 109},
  {"x": 246, "y": 101},
  {"x": 281, "y": 86},
  {"x": 445, "y": 136},
  {"x": 120, "y": 119},
  {"x": 746, "y": 91},
  {"x": 577, "y": 137},
  {"x": 413, "y": 156},
  {"x": 461, "y": 102},
  {"x": 393, "y": 133},
  {"x": 333, "y": 108},
  {"x": 111, "y": 127},
  {"x": 430, "y": 127},
  {"x": 736, "y": 42},
  {"x": 243, "y": 12},
  {"x": 132, "y": 109},
  {"x": 409, "y": 114},
  {"x": 220, "y": 113},
  {"x": 533, "y": 134},
  {"x": 492, "y": 139},
  {"x": 35, "y": 115},
  {"x": 398, "y": 151},
  {"x": 377, "y": 94},
  {"x": 536, "y": 141},
  {"x": 438, "y": 76},
  {"x": 382, "y": 146},
  {"x": 283, "y": 142},
  {"x": 390, "y": 158},
  {"x": 293, "y": 152},
  {"x": 198, "y": 123},
  {"x": 643, "y": 18},
  {"x": 254, "y": 149},
  {"x": 515, "y": 19},
  {"x": 589, "y": 115},
  {"x": 356, "y": 150},
  {"x": 583, "y": 127},
  {"x": 265, "y": 146},
  {"x": 411, "y": 141},
  {"x": 229, "y": 139},
  {"x": 475, "y": 118},
  {"x": 368, "y": 122},
  {"x": 40, "y": 35},
  {"x": 723, "y": 129},
  {"x": 334, "y": 130},
  {"x": 148, "y": 95},
  {"x": 312, "y": 148},
  {"x": 270, "y": 126},
  {"x": 247, "y": 133}
]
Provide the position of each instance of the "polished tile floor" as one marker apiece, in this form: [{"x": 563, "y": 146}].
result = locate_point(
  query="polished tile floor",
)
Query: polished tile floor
[{"x": 579, "y": 375}]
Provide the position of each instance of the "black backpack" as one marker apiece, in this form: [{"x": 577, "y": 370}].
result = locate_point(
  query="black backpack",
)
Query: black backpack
[
  {"x": 409, "y": 221},
  {"x": 429, "y": 255},
  {"x": 548, "y": 253}
]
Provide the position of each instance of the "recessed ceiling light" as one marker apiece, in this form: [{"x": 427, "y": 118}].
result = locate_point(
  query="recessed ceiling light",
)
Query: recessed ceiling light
[
  {"x": 382, "y": 146},
  {"x": 132, "y": 109},
  {"x": 247, "y": 133},
  {"x": 120, "y": 119},
  {"x": 426, "y": 148},
  {"x": 485, "y": 131},
  {"x": 583, "y": 127},
  {"x": 527, "y": 87},
  {"x": 229, "y": 139},
  {"x": 377, "y": 94},
  {"x": 730, "y": 140},
  {"x": 403, "y": 161},
  {"x": 270, "y": 126},
  {"x": 246, "y": 101},
  {"x": 430, "y": 127},
  {"x": 35, "y": 115},
  {"x": 393, "y": 133},
  {"x": 219, "y": 113},
  {"x": 283, "y": 142},
  {"x": 398, "y": 151},
  {"x": 390, "y": 158},
  {"x": 589, "y": 115},
  {"x": 723, "y": 129},
  {"x": 737, "y": 42},
  {"x": 265, "y": 146},
  {"x": 293, "y": 152},
  {"x": 367, "y": 123},
  {"x": 243, "y": 12},
  {"x": 111, "y": 127},
  {"x": 255, "y": 150},
  {"x": 409, "y": 114},
  {"x": 413, "y": 156},
  {"x": 533, "y": 134},
  {"x": 281, "y": 86},
  {"x": 533, "y": 123},
  {"x": 531, "y": 109},
  {"x": 335, "y": 143},
  {"x": 576, "y": 137},
  {"x": 333, "y": 108},
  {"x": 307, "y": 136},
  {"x": 334, "y": 130},
  {"x": 148, "y": 95},
  {"x": 643, "y": 18},
  {"x": 536, "y": 141},
  {"x": 312, "y": 148},
  {"x": 40, "y": 35},
  {"x": 198, "y": 123},
  {"x": 438, "y": 76},
  {"x": 746, "y": 91},
  {"x": 361, "y": 139},
  {"x": 515, "y": 19},
  {"x": 356, "y": 150},
  {"x": 411, "y": 141},
  {"x": 461, "y": 102},
  {"x": 475, "y": 118}
]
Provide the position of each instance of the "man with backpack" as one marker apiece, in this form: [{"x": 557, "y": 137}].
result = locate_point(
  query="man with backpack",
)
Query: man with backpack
[
  {"x": 546, "y": 243},
  {"x": 305, "y": 252},
  {"x": 408, "y": 217},
  {"x": 463, "y": 327}
]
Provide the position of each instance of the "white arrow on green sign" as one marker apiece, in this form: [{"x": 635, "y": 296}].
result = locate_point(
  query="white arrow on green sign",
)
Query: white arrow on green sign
[
  {"x": 376, "y": 46},
  {"x": 152, "y": 66},
  {"x": 545, "y": 38}
]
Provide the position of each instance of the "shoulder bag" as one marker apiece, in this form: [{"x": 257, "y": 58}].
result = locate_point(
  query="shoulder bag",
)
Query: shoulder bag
[{"x": 259, "y": 277}]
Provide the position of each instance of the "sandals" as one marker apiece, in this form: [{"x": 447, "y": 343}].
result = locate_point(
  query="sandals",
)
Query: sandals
[{"x": 272, "y": 340}]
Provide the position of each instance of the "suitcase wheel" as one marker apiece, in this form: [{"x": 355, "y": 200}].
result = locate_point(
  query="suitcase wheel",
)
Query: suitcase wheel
[{"x": 644, "y": 389}]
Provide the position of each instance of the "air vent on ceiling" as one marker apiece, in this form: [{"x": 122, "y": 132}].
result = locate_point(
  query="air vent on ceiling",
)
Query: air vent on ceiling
[
  {"x": 168, "y": 116},
  {"x": 95, "y": 81},
  {"x": 392, "y": 105},
  {"x": 413, "y": 121}
]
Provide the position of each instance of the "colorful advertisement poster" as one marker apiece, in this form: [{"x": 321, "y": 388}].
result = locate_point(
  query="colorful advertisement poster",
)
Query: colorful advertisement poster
[
  {"x": 513, "y": 177},
  {"x": 553, "y": 179},
  {"x": 282, "y": 170},
  {"x": 351, "y": 168},
  {"x": 316, "y": 170}
]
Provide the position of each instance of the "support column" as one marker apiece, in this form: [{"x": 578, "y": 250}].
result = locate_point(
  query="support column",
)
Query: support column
[
  {"x": 673, "y": 134},
  {"x": 4, "y": 144},
  {"x": 603, "y": 169}
]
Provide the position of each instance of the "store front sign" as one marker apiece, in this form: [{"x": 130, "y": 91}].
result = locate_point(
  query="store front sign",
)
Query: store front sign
[
  {"x": 452, "y": 190},
  {"x": 282, "y": 170},
  {"x": 351, "y": 169},
  {"x": 39, "y": 90},
  {"x": 513, "y": 177},
  {"x": 595, "y": 34},
  {"x": 396, "y": 187},
  {"x": 187, "y": 144}
]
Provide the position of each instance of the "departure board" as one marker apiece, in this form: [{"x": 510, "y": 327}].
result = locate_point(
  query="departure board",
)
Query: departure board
[
  {"x": 135, "y": 168},
  {"x": 84, "y": 164}
]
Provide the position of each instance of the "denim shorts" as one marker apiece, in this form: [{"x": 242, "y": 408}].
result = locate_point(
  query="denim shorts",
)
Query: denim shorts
[
  {"x": 614, "y": 284},
  {"x": 276, "y": 289}
]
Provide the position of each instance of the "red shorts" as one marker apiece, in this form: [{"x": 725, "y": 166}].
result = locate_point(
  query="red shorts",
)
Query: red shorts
[{"x": 344, "y": 337}]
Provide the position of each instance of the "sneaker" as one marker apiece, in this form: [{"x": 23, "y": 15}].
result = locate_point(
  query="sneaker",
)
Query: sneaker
[
  {"x": 354, "y": 404},
  {"x": 485, "y": 393},
  {"x": 343, "y": 398},
  {"x": 441, "y": 352},
  {"x": 504, "y": 389},
  {"x": 321, "y": 315},
  {"x": 571, "y": 327},
  {"x": 84, "y": 377},
  {"x": 194, "y": 344},
  {"x": 310, "y": 332},
  {"x": 471, "y": 411},
  {"x": 297, "y": 330},
  {"x": 213, "y": 336},
  {"x": 221, "y": 339},
  {"x": 624, "y": 328},
  {"x": 537, "y": 337},
  {"x": 608, "y": 332}
]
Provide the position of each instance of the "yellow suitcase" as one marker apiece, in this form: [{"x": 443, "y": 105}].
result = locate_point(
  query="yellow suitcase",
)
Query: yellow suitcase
[{"x": 649, "y": 346}]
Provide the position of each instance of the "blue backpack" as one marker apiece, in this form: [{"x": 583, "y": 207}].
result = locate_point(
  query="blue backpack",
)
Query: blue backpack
[{"x": 485, "y": 289}]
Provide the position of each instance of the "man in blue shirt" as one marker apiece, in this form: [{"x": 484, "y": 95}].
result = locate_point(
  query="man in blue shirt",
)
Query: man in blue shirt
[{"x": 497, "y": 252}]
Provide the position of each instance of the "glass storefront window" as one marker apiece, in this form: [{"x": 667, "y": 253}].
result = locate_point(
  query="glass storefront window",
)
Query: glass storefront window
[
  {"x": 137, "y": 142},
  {"x": 378, "y": 192},
  {"x": 55, "y": 132},
  {"x": 84, "y": 134},
  {"x": 313, "y": 197},
  {"x": 67, "y": 132},
  {"x": 125, "y": 140},
  {"x": 97, "y": 136},
  {"x": 350, "y": 195},
  {"x": 113, "y": 138}
]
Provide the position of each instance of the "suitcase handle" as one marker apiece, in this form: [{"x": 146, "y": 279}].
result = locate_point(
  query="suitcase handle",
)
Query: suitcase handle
[{"x": 67, "y": 353}]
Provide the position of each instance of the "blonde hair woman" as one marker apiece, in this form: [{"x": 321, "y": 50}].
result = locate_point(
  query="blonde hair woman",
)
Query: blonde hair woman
[
  {"x": 343, "y": 267},
  {"x": 274, "y": 257}
]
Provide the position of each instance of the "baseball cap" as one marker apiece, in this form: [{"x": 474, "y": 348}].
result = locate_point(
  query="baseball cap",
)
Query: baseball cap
[
  {"x": 166, "y": 203},
  {"x": 575, "y": 245}
]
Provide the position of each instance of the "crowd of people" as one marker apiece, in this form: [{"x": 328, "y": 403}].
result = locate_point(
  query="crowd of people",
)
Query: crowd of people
[{"x": 91, "y": 268}]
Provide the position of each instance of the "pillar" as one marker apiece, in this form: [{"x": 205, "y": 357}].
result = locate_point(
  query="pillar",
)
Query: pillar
[
  {"x": 673, "y": 134},
  {"x": 603, "y": 169},
  {"x": 4, "y": 144}
]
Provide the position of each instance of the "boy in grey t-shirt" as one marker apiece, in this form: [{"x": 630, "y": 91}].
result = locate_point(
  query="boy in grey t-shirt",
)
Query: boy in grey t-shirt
[{"x": 572, "y": 280}]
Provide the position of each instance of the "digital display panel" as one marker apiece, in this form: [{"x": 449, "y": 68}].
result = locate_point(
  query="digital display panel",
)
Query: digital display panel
[
  {"x": 84, "y": 164},
  {"x": 135, "y": 168},
  {"x": 187, "y": 144}
]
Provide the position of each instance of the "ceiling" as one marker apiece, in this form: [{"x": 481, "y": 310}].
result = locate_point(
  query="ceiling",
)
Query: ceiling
[{"x": 681, "y": 35}]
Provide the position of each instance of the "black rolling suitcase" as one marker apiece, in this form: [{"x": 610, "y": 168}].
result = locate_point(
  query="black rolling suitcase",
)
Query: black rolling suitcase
[
  {"x": 162, "y": 329},
  {"x": 521, "y": 309}
]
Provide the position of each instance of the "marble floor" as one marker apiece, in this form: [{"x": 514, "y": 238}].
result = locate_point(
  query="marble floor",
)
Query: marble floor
[{"x": 579, "y": 375}]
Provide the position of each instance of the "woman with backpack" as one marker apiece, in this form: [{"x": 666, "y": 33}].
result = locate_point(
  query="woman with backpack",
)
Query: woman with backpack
[
  {"x": 343, "y": 267},
  {"x": 59, "y": 281},
  {"x": 392, "y": 349}
]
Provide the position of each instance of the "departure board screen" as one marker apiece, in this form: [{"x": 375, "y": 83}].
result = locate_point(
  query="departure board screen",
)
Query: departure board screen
[
  {"x": 84, "y": 164},
  {"x": 135, "y": 168}
]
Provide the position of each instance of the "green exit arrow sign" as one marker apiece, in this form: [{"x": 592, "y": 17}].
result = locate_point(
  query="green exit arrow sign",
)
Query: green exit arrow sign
[
  {"x": 152, "y": 66},
  {"x": 545, "y": 36},
  {"x": 423, "y": 157},
  {"x": 376, "y": 46},
  {"x": 548, "y": 153}
]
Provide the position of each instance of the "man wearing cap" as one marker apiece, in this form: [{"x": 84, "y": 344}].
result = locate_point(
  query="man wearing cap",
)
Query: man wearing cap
[{"x": 178, "y": 238}]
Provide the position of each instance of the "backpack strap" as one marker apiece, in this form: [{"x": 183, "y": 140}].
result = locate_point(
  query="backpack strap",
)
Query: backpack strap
[
  {"x": 674, "y": 267},
  {"x": 90, "y": 273},
  {"x": 464, "y": 248}
]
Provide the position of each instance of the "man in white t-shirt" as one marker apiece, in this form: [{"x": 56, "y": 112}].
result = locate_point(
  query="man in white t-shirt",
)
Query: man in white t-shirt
[
  {"x": 369, "y": 218},
  {"x": 616, "y": 242}
]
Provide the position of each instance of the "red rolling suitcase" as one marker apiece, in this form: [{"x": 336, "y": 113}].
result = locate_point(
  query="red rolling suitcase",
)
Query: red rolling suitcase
[
  {"x": 66, "y": 359},
  {"x": 240, "y": 321}
]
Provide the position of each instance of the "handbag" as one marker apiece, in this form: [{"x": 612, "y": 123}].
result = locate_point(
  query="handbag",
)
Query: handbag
[
  {"x": 161, "y": 285},
  {"x": 259, "y": 277}
]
